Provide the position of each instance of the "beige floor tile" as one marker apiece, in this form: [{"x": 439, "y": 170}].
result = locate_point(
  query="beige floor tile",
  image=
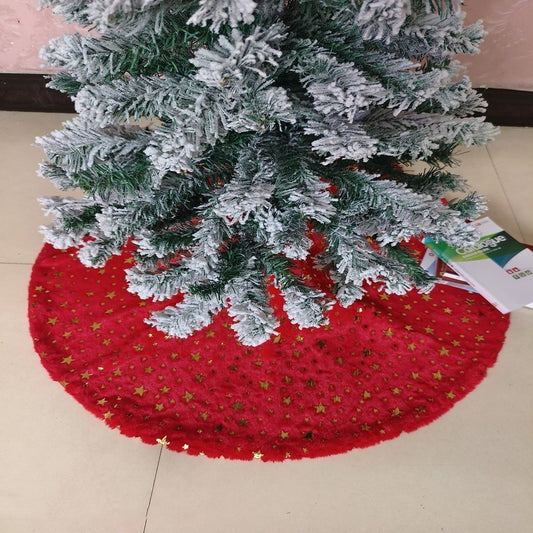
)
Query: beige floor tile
[
  {"x": 20, "y": 214},
  {"x": 62, "y": 470},
  {"x": 470, "y": 471},
  {"x": 512, "y": 156}
]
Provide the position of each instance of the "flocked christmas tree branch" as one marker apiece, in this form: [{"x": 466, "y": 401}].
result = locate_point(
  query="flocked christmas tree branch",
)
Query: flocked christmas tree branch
[{"x": 220, "y": 136}]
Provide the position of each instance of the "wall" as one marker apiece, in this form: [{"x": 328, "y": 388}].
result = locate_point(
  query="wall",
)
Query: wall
[
  {"x": 506, "y": 60},
  {"x": 23, "y": 31}
]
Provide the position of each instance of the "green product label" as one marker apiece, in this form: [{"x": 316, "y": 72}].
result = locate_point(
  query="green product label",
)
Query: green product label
[{"x": 499, "y": 247}]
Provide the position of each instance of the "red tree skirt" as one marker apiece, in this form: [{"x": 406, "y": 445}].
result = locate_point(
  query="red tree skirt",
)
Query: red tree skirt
[{"x": 384, "y": 366}]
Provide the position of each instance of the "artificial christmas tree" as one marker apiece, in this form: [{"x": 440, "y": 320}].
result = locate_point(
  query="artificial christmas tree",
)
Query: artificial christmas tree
[
  {"x": 222, "y": 138},
  {"x": 245, "y": 166}
]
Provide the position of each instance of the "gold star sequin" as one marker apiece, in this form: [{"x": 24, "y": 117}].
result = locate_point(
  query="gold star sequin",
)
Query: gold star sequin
[
  {"x": 284, "y": 435},
  {"x": 447, "y": 310},
  {"x": 52, "y": 321},
  {"x": 264, "y": 384},
  {"x": 108, "y": 415},
  {"x": 437, "y": 375},
  {"x": 163, "y": 441},
  {"x": 95, "y": 325},
  {"x": 86, "y": 375},
  {"x": 188, "y": 396},
  {"x": 210, "y": 334},
  {"x": 258, "y": 454},
  {"x": 411, "y": 346},
  {"x": 429, "y": 330},
  {"x": 388, "y": 333},
  {"x": 450, "y": 395},
  {"x": 140, "y": 391},
  {"x": 479, "y": 338},
  {"x": 101, "y": 402},
  {"x": 444, "y": 351},
  {"x": 396, "y": 412},
  {"x": 110, "y": 295},
  {"x": 164, "y": 390},
  {"x": 67, "y": 360},
  {"x": 320, "y": 408},
  {"x": 159, "y": 407}
]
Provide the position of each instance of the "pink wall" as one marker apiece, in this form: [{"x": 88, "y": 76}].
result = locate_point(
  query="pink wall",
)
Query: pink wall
[
  {"x": 506, "y": 60},
  {"x": 23, "y": 31}
]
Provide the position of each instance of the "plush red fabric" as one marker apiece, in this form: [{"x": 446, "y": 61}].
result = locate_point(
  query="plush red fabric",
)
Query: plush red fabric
[{"x": 384, "y": 366}]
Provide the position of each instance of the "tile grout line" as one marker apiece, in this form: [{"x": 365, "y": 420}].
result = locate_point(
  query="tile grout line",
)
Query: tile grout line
[
  {"x": 152, "y": 491},
  {"x": 505, "y": 194},
  {"x": 15, "y": 263}
]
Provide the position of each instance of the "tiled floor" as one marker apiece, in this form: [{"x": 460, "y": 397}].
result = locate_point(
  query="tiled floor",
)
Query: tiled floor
[{"x": 64, "y": 471}]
